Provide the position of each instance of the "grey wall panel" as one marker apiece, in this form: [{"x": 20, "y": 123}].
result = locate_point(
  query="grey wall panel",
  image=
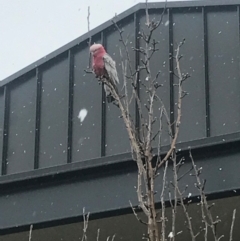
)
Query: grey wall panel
[
  {"x": 54, "y": 113},
  {"x": 224, "y": 84},
  {"x": 188, "y": 25},
  {"x": 1, "y": 125},
  {"x": 107, "y": 191},
  {"x": 126, "y": 227},
  {"x": 159, "y": 62},
  {"x": 116, "y": 134},
  {"x": 86, "y": 141},
  {"x": 22, "y": 125}
]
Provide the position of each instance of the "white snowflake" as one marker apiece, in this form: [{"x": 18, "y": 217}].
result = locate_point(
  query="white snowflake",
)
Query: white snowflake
[
  {"x": 82, "y": 114},
  {"x": 167, "y": 23}
]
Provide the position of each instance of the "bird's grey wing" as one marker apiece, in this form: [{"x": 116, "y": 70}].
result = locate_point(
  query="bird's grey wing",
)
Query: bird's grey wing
[{"x": 110, "y": 67}]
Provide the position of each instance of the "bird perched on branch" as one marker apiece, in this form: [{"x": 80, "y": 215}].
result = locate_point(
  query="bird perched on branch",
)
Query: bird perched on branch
[{"x": 104, "y": 67}]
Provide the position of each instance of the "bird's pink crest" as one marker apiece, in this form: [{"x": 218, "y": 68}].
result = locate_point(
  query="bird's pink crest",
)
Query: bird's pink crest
[{"x": 97, "y": 48}]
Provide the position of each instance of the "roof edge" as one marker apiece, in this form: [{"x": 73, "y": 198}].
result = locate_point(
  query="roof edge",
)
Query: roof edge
[{"x": 226, "y": 141}]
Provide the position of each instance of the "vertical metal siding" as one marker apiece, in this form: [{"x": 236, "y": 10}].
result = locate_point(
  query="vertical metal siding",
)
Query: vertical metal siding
[
  {"x": 22, "y": 125},
  {"x": 188, "y": 25},
  {"x": 103, "y": 120},
  {"x": 87, "y": 94},
  {"x": 224, "y": 84},
  {"x": 54, "y": 113},
  {"x": 1, "y": 125},
  {"x": 5, "y": 129},
  {"x": 38, "y": 87},
  {"x": 70, "y": 104}
]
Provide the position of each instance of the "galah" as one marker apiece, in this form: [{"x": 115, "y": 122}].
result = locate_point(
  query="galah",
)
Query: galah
[{"x": 104, "y": 66}]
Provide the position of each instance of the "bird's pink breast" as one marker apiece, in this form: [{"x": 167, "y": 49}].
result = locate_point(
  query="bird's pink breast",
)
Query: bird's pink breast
[{"x": 98, "y": 65}]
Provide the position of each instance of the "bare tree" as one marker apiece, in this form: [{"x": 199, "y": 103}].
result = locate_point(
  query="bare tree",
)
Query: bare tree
[{"x": 142, "y": 138}]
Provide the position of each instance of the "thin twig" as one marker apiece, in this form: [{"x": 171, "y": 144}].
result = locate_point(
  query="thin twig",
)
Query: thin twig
[
  {"x": 113, "y": 237},
  {"x": 135, "y": 214},
  {"x": 232, "y": 225},
  {"x": 159, "y": 137},
  {"x": 204, "y": 202},
  {"x": 175, "y": 180},
  {"x": 98, "y": 234},
  {"x": 85, "y": 225},
  {"x": 190, "y": 228},
  {"x": 88, "y": 19},
  {"x": 30, "y": 233},
  {"x": 179, "y": 110},
  {"x": 163, "y": 201},
  {"x": 184, "y": 174},
  {"x": 90, "y": 37},
  {"x": 124, "y": 71}
]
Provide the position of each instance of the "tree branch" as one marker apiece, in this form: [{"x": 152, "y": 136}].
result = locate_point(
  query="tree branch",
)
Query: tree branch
[
  {"x": 232, "y": 225},
  {"x": 179, "y": 110}
]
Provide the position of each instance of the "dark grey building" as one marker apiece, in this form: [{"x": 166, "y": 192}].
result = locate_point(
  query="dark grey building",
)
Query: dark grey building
[{"x": 53, "y": 165}]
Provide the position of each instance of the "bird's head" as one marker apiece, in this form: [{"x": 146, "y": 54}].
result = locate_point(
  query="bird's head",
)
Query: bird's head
[{"x": 97, "y": 49}]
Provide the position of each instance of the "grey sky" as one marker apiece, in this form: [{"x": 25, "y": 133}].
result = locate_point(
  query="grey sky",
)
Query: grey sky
[{"x": 31, "y": 29}]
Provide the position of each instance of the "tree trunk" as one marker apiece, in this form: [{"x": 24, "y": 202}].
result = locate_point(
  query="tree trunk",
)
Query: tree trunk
[{"x": 152, "y": 222}]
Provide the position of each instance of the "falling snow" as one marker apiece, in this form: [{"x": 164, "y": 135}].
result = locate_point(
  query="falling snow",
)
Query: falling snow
[
  {"x": 82, "y": 114},
  {"x": 166, "y": 23}
]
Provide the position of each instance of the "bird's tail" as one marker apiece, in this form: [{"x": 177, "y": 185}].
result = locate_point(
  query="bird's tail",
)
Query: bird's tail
[{"x": 109, "y": 96}]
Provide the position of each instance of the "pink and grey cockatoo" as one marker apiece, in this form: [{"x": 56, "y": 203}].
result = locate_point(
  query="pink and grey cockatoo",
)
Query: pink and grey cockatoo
[{"x": 104, "y": 66}]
